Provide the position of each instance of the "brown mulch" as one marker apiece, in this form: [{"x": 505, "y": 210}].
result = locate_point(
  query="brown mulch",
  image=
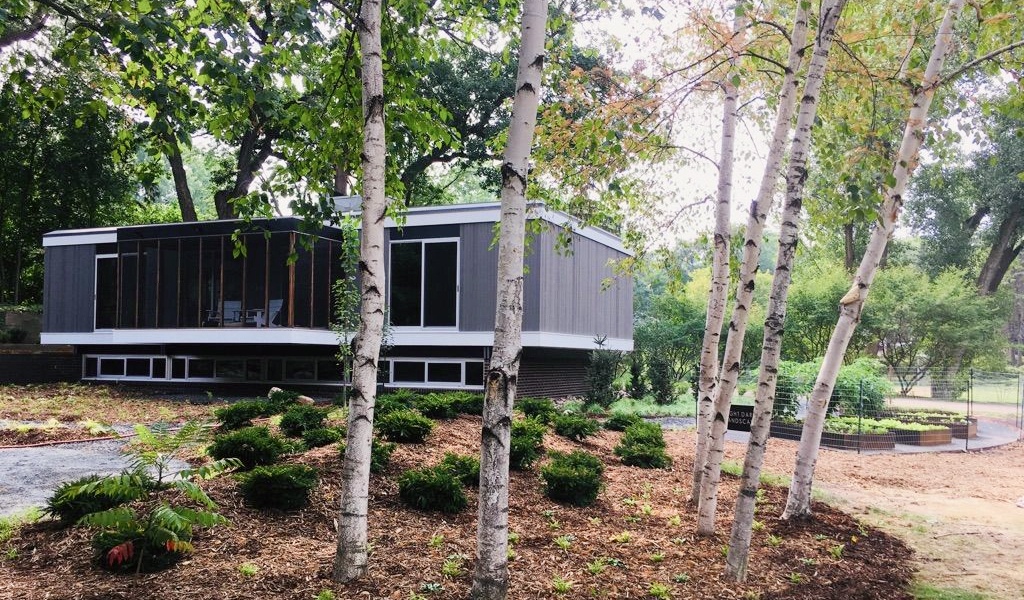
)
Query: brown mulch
[
  {"x": 293, "y": 552},
  {"x": 69, "y": 402},
  {"x": 42, "y": 435}
]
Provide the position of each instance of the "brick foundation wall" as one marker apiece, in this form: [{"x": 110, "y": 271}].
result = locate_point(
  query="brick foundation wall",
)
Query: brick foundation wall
[{"x": 24, "y": 363}]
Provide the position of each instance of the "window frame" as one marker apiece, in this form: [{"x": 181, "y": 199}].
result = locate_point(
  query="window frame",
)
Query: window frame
[
  {"x": 423, "y": 282},
  {"x": 95, "y": 290}
]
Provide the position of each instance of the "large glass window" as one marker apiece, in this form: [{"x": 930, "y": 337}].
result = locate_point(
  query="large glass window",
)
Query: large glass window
[
  {"x": 210, "y": 299},
  {"x": 303, "y": 285},
  {"x": 106, "y": 292},
  {"x": 169, "y": 277},
  {"x": 129, "y": 271},
  {"x": 424, "y": 283},
  {"x": 191, "y": 274},
  {"x": 148, "y": 280},
  {"x": 234, "y": 276},
  {"x": 321, "y": 282},
  {"x": 255, "y": 281}
]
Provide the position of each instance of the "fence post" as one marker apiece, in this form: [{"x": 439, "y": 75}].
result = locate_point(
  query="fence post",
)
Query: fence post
[
  {"x": 970, "y": 408},
  {"x": 860, "y": 414}
]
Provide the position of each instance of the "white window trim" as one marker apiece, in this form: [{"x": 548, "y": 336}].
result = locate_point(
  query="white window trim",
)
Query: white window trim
[
  {"x": 392, "y": 382},
  {"x": 423, "y": 280}
]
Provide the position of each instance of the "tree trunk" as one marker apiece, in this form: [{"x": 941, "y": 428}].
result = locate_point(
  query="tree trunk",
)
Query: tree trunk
[
  {"x": 771, "y": 347},
  {"x": 798, "y": 504},
  {"x": 490, "y": 577},
  {"x": 709, "y": 380},
  {"x": 350, "y": 562},
  {"x": 718, "y": 295},
  {"x": 181, "y": 189},
  {"x": 341, "y": 176},
  {"x": 849, "y": 260},
  {"x": 1004, "y": 250},
  {"x": 759, "y": 209}
]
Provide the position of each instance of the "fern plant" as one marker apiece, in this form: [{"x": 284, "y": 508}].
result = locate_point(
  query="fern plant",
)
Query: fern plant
[{"x": 126, "y": 539}]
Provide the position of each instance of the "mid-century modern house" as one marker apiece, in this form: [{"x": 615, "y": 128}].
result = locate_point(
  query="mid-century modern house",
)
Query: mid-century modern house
[{"x": 176, "y": 304}]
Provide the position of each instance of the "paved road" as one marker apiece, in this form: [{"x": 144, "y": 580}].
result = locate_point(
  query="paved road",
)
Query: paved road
[{"x": 29, "y": 475}]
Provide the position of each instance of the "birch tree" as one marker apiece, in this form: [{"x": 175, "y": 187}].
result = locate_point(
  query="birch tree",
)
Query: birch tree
[
  {"x": 739, "y": 544},
  {"x": 798, "y": 503},
  {"x": 490, "y": 578},
  {"x": 759, "y": 209},
  {"x": 350, "y": 561},
  {"x": 717, "y": 297}
]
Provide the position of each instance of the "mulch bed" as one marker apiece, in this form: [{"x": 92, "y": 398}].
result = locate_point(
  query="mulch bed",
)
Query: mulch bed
[
  {"x": 12, "y": 437},
  {"x": 293, "y": 552}
]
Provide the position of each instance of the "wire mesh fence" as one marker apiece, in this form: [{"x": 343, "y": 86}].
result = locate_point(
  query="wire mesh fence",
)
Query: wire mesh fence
[{"x": 933, "y": 411}]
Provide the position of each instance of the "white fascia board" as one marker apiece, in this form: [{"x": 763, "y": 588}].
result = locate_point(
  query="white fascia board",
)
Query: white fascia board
[
  {"x": 216, "y": 335},
  {"x": 80, "y": 237}
]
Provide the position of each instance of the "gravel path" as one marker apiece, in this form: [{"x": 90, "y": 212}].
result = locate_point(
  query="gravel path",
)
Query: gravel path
[{"x": 29, "y": 475}]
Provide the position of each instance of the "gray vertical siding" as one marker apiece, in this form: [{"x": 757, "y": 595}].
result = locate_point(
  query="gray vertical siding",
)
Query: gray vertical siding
[
  {"x": 573, "y": 297},
  {"x": 479, "y": 282},
  {"x": 68, "y": 288}
]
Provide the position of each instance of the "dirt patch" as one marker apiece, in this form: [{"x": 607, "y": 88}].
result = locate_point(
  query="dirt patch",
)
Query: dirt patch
[
  {"x": 109, "y": 404},
  {"x": 292, "y": 553},
  {"x": 41, "y": 435}
]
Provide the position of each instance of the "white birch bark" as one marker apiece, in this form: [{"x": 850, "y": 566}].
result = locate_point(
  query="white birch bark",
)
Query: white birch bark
[
  {"x": 759, "y": 209},
  {"x": 798, "y": 504},
  {"x": 350, "y": 561},
  {"x": 718, "y": 295},
  {"x": 739, "y": 545},
  {"x": 490, "y": 577}
]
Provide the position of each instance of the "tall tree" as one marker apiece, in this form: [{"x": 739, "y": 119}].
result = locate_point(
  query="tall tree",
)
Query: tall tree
[
  {"x": 759, "y": 209},
  {"x": 718, "y": 294},
  {"x": 350, "y": 561},
  {"x": 796, "y": 176},
  {"x": 490, "y": 578},
  {"x": 798, "y": 503}
]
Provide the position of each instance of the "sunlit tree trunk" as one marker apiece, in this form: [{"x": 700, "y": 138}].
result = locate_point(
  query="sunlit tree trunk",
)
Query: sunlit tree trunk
[
  {"x": 798, "y": 504},
  {"x": 739, "y": 545},
  {"x": 350, "y": 561},
  {"x": 490, "y": 577},
  {"x": 759, "y": 209},
  {"x": 708, "y": 377}
]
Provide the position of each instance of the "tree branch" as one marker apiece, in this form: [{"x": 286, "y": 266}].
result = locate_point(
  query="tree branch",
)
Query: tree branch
[{"x": 971, "y": 64}]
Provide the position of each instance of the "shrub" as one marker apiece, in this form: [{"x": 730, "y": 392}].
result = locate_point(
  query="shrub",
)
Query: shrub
[
  {"x": 405, "y": 426},
  {"x": 302, "y": 418},
  {"x": 526, "y": 442},
  {"x": 601, "y": 372},
  {"x": 575, "y": 427},
  {"x": 432, "y": 488},
  {"x": 637, "y": 386},
  {"x": 285, "y": 487},
  {"x": 541, "y": 409},
  {"x": 573, "y": 478},
  {"x": 314, "y": 438},
  {"x": 69, "y": 502},
  {"x": 241, "y": 414},
  {"x": 465, "y": 468},
  {"x": 437, "y": 406},
  {"x": 643, "y": 445},
  {"x": 620, "y": 421},
  {"x": 380, "y": 455},
  {"x": 281, "y": 400},
  {"x": 404, "y": 396},
  {"x": 468, "y": 403},
  {"x": 659, "y": 372},
  {"x": 389, "y": 403},
  {"x": 253, "y": 446}
]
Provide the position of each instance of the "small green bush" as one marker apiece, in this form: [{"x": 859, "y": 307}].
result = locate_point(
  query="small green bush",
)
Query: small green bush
[
  {"x": 405, "y": 396},
  {"x": 526, "y": 443},
  {"x": 281, "y": 401},
  {"x": 302, "y": 418},
  {"x": 69, "y": 504},
  {"x": 468, "y": 403},
  {"x": 314, "y": 438},
  {"x": 389, "y": 403},
  {"x": 465, "y": 468},
  {"x": 285, "y": 487},
  {"x": 405, "y": 426},
  {"x": 643, "y": 445},
  {"x": 437, "y": 406},
  {"x": 573, "y": 478},
  {"x": 380, "y": 455},
  {"x": 542, "y": 409},
  {"x": 575, "y": 427},
  {"x": 620, "y": 421},
  {"x": 432, "y": 488},
  {"x": 253, "y": 446},
  {"x": 241, "y": 414}
]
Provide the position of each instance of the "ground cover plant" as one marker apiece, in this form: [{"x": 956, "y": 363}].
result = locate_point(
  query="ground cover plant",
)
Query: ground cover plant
[
  {"x": 573, "y": 478},
  {"x": 525, "y": 443},
  {"x": 241, "y": 414},
  {"x": 284, "y": 487},
  {"x": 289, "y": 551},
  {"x": 432, "y": 488},
  {"x": 437, "y": 406},
  {"x": 70, "y": 402},
  {"x": 252, "y": 446},
  {"x": 575, "y": 427},
  {"x": 643, "y": 445},
  {"x": 541, "y": 409},
  {"x": 299, "y": 419},
  {"x": 404, "y": 426},
  {"x": 620, "y": 421}
]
